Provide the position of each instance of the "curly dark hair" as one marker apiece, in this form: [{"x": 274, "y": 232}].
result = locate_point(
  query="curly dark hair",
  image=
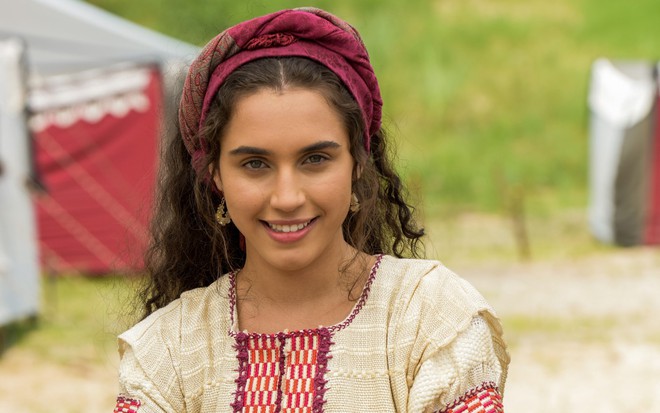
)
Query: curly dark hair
[{"x": 190, "y": 249}]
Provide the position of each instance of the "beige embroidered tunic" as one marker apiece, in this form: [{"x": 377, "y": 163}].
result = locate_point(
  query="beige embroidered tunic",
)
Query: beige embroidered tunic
[{"x": 419, "y": 339}]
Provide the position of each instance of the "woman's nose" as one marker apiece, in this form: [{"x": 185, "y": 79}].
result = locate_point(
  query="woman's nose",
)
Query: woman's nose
[{"x": 287, "y": 194}]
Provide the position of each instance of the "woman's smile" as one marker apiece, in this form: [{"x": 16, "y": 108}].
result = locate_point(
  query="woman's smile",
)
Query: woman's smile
[
  {"x": 287, "y": 227},
  {"x": 289, "y": 233}
]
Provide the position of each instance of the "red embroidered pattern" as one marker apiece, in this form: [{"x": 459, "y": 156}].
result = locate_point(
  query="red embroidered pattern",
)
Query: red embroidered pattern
[
  {"x": 484, "y": 399},
  {"x": 262, "y": 384},
  {"x": 301, "y": 368},
  {"x": 126, "y": 405},
  {"x": 282, "y": 372}
]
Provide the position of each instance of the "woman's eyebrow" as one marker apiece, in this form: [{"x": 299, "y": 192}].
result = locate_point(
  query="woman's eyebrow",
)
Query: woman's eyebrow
[
  {"x": 249, "y": 150},
  {"x": 252, "y": 150},
  {"x": 320, "y": 146}
]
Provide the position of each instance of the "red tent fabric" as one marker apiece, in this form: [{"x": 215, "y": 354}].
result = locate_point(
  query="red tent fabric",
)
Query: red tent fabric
[
  {"x": 97, "y": 161},
  {"x": 653, "y": 220}
]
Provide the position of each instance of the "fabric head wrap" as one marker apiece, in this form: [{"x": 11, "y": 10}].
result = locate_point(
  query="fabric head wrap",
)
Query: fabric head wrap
[{"x": 304, "y": 32}]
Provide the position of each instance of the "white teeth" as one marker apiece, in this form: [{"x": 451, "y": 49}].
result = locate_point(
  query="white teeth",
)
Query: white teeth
[{"x": 288, "y": 228}]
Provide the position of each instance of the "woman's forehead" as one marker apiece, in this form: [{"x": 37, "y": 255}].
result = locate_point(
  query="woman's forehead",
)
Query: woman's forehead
[{"x": 283, "y": 119}]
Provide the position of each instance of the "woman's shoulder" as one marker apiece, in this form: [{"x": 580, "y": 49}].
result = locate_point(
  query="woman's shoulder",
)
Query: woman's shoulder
[
  {"x": 429, "y": 295},
  {"x": 424, "y": 278},
  {"x": 193, "y": 309}
]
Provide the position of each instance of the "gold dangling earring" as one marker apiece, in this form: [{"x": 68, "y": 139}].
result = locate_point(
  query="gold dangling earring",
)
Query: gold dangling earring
[
  {"x": 221, "y": 214},
  {"x": 355, "y": 204}
]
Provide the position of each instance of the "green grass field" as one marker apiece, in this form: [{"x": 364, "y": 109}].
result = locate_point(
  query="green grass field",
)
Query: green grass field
[
  {"x": 484, "y": 97},
  {"x": 79, "y": 320}
]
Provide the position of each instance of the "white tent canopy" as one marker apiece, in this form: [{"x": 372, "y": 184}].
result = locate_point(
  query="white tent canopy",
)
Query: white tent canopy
[
  {"x": 65, "y": 36},
  {"x": 64, "y": 45}
]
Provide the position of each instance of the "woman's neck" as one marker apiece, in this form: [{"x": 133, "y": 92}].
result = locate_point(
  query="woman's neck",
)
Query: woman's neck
[
  {"x": 282, "y": 284},
  {"x": 272, "y": 299}
]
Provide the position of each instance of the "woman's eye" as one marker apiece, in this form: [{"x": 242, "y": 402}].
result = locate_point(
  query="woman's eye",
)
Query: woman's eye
[
  {"x": 254, "y": 164},
  {"x": 315, "y": 159}
]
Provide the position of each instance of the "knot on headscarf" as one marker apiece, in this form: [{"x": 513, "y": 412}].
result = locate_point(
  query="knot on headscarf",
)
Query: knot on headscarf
[
  {"x": 305, "y": 32},
  {"x": 270, "y": 40}
]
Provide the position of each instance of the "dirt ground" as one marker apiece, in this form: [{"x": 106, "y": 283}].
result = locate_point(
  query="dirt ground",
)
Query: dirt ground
[{"x": 583, "y": 336}]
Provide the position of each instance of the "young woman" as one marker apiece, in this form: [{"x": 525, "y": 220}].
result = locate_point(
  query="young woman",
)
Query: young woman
[{"x": 277, "y": 281}]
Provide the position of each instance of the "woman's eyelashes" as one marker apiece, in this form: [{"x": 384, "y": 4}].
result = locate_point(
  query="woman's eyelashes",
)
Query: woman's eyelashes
[
  {"x": 254, "y": 164},
  {"x": 313, "y": 160},
  {"x": 316, "y": 159}
]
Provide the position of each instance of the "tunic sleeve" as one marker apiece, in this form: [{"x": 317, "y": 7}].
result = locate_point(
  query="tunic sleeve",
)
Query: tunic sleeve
[
  {"x": 446, "y": 343},
  {"x": 149, "y": 379},
  {"x": 464, "y": 376},
  {"x": 140, "y": 393}
]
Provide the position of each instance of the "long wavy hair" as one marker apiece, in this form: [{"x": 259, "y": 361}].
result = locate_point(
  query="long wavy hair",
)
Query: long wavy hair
[{"x": 189, "y": 249}]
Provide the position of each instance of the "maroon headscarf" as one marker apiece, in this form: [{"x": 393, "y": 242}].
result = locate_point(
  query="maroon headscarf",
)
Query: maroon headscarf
[{"x": 304, "y": 32}]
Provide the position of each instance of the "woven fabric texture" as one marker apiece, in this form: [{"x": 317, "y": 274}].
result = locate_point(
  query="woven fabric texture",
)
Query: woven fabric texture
[{"x": 422, "y": 340}]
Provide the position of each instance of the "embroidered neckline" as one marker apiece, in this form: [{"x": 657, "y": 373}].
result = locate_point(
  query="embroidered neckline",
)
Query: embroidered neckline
[{"x": 334, "y": 328}]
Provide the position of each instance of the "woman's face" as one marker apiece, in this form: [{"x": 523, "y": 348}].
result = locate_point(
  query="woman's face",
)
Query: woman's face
[{"x": 285, "y": 172}]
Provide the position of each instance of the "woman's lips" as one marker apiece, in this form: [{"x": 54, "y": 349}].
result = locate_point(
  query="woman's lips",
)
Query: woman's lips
[{"x": 288, "y": 232}]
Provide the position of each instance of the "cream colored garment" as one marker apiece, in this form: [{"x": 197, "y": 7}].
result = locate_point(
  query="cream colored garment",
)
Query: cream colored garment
[{"x": 423, "y": 339}]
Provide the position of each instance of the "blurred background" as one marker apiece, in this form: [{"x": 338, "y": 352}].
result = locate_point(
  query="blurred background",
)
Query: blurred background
[{"x": 501, "y": 135}]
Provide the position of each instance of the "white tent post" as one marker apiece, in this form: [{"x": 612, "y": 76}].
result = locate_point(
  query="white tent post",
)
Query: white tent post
[{"x": 19, "y": 269}]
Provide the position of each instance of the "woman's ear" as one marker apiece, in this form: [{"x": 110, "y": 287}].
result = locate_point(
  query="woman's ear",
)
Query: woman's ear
[
  {"x": 215, "y": 175},
  {"x": 357, "y": 171}
]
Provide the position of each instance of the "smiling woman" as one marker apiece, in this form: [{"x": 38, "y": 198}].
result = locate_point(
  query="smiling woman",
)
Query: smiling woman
[
  {"x": 277, "y": 273},
  {"x": 286, "y": 173}
]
